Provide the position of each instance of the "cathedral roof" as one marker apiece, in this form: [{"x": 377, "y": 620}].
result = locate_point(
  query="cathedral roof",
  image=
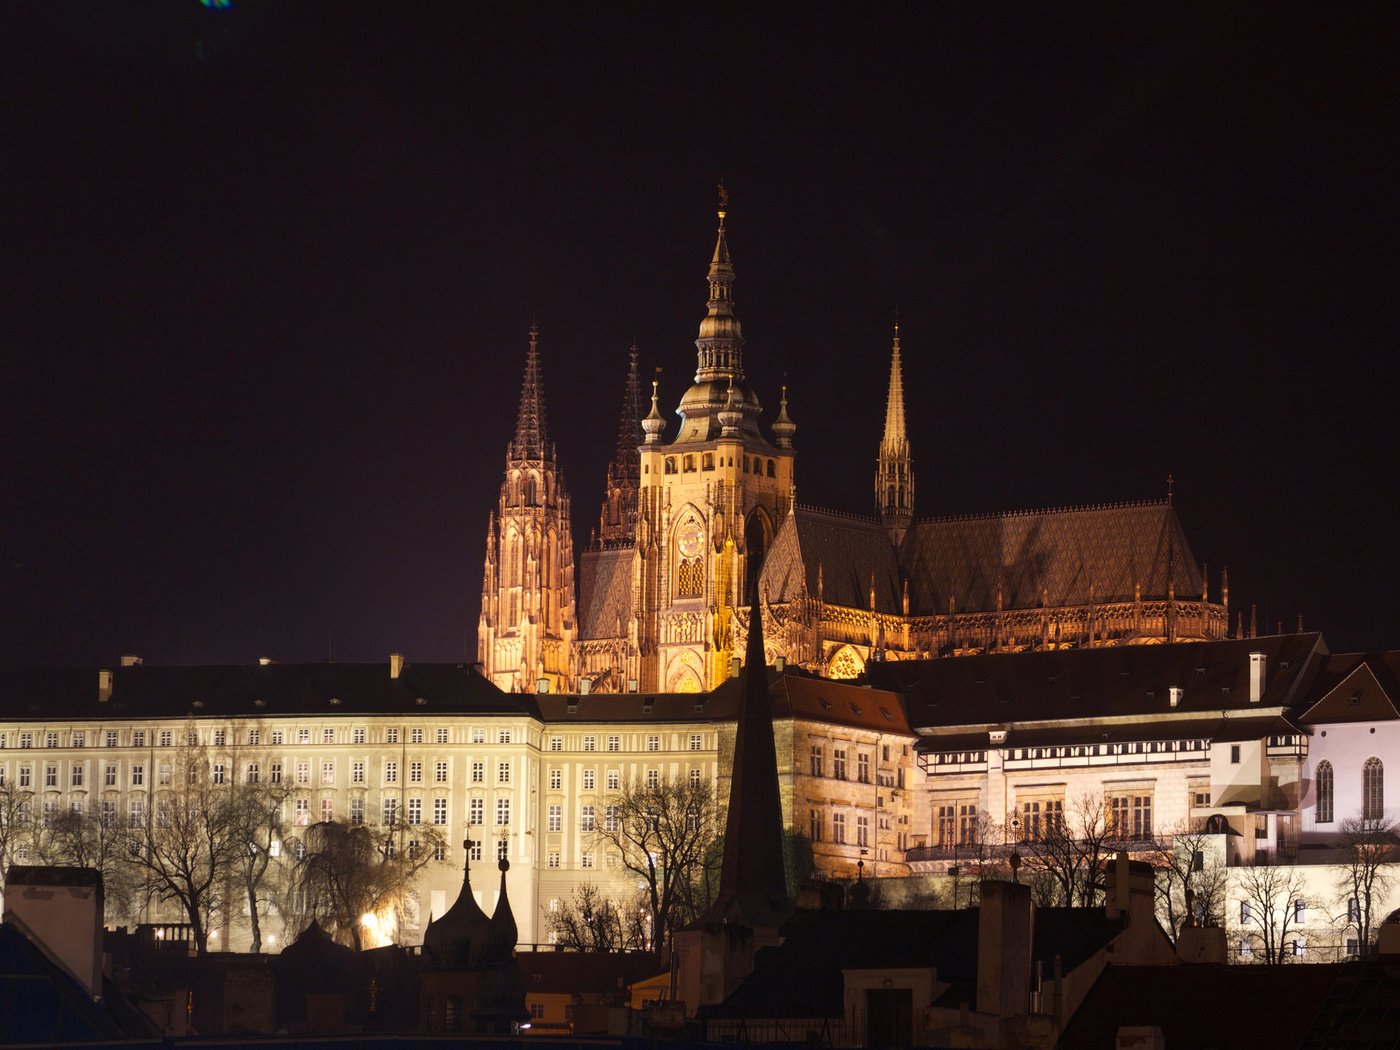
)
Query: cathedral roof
[
  {"x": 1058, "y": 555},
  {"x": 605, "y": 593},
  {"x": 836, "y": 555}
]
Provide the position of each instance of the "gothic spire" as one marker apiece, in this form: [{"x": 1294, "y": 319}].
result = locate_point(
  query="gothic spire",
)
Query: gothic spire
[
  {"x": 626, "y": 460},
  {"x": 895, "y": 441},
  {"x": 618, "y": 519},
  {"x": 720, "y": 345},
  {"x": 894, "y": 471},
  {"x": 531, "y": 440}
]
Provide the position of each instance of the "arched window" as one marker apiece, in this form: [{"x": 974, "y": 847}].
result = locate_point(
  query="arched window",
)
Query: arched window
[
  {"x": 1323, "y": 811},
  {"x": 1372, "y": 789},
  {"x": 670, "y": 464},
  {"x": 772, "y": 473}
]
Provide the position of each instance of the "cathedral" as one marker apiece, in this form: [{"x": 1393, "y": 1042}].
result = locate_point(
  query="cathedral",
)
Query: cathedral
[{"x": 660, "y": 604}]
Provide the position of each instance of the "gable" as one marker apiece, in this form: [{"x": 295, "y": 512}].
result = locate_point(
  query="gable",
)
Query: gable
[{"x": 1359, "y": 697}]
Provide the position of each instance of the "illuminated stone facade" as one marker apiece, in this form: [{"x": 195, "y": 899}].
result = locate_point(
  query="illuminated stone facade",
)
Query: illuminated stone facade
[
  {"x": 659, "y": 604},
  {"x": 526, "y": 632}
]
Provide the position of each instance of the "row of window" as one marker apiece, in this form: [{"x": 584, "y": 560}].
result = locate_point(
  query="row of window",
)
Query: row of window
[
  {"x": 219, "y": 773},
  {"x": 687, "y": 464},
  {"x": 253, "y": 737},
  {"x": 589, "y": 779},
  {"x": 956, "y": 824},
  {"x": 816, "y": 828},
  {"x": 839, "y": 769},
  {"x": 614, "y": 743},
  {"x": 1372, "y": 791}
]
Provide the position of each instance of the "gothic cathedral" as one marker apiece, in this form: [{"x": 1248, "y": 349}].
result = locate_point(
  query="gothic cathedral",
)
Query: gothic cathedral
[{"x": 685, "y": 518}]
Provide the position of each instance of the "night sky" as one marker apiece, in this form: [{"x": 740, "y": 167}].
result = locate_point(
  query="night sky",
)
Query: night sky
[{"x": 268, "y": 273}]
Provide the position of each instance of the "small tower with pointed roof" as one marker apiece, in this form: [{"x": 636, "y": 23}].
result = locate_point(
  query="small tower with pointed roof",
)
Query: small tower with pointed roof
[
  {"x": 526, "y": 629},
  {"x": 894, "y": 470}
]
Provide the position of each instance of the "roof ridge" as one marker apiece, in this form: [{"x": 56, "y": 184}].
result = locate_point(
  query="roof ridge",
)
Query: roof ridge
[
  {"x": 1029, "y": 512},
  {"x": 829, "y": 512}
]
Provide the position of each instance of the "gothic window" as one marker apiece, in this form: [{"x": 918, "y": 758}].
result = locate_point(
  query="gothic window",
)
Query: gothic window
[
  {"x": 1323, "y": 811},
  {"x": 690, "y": 578},
  {"x": 772, "y": 472},
  {"x": 670, "y": 464},
  {"x": 1372, "y": 789}
]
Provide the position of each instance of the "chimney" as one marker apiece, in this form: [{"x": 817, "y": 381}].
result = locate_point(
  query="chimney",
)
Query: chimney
[
  {"x": 780, "y": 663},
  {"x": 585, "y": 686},
  {"x": 631, "y": 685},
  {"x": 541, "y": 685},
  {"x": 1257, "y": 666},
  {"x": 1128, "y": 887},
  {"x": 1004, "y": 923},
  {"x": 104, "y": 686},
  {"x": 131, "y": 660},
  {"x": 395, "y": 664},
  {"x": 734, "y": 666},
  {"x": 1174, "y": 695},
  {"x": 60, "y": 910}
]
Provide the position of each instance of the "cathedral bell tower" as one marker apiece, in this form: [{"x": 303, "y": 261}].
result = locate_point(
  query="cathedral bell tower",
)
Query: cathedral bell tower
[
  {"x": 894, "y": 469},
  {"x": 710, "y": 498},
  {"x": 527, "y": 627}
]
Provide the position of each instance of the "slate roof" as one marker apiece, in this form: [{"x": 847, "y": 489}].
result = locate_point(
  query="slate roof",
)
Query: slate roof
[
  {"x": 1356, "y": 687},
  {"x": 802, "y": 976},
  {"x": 271, "y": 691},
  {"x": 1062, "y": 552},
  {"x": 41, "y": 1004},
  {"x": 844, "y": 550},
  {"x": 1130, "y": 682},
  {"x": 605, "y": 593},
  {"x": 1274, "y": 1005}
]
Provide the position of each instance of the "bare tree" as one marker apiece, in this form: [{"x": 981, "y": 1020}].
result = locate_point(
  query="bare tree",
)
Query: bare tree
[
  {"x": 661, "y": 831},
  {"x": 1367, "y": 845},
  {"x": 1063, "y": 855},
  {"x": 1268, "y": 910},
  {"x": 184, "y": 846},
  {"x": 91, "y": 840},
  {"x": 1189, "y": 879},
  {"x": 979, "y": 854},
  {"x": 16, "y": 824},
  {"x": 346, "y": 871},
  {"x": 590, "y": 922},
  {"x": 256, "y": 815}
]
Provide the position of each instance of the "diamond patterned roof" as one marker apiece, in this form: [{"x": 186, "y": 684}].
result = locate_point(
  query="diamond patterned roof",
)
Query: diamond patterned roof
[
  {"x": 846, "y": 550},
  {"x": 605, "y": 593},
  {"x": 1060, "y": 553}
]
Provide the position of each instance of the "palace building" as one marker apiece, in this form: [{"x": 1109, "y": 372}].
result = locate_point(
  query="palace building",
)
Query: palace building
[{"x": 687, "y": 509}]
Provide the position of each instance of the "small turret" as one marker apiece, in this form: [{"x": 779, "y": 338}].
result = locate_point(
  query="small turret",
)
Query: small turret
[
  {"x": 653, "y": 423},
  {"x": 894, "y": 470},
  {"x": 783, "y": 426}
]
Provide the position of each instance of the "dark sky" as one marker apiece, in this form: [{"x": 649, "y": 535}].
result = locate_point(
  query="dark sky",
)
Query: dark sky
[{"x": 268, "y": 271}]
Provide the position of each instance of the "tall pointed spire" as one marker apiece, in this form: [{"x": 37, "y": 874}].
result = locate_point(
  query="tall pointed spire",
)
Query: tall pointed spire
[
  {"x": 752, "y": 882},
  {"x": 531, "y": 437},
  {"x": 617, "y": 521},
  {"x": 894, "y": 471},
  {"x": 720, "y": 346}
]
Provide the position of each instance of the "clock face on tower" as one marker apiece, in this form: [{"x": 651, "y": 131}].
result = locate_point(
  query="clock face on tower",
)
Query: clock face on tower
[{"x": 688, "y": 542}]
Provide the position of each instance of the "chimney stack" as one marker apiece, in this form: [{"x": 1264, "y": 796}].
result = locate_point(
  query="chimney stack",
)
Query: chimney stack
[
  {"x": 585, "y": 686},
  {"x": 60, "y": 909},
  {"x": 1174, "y": 695},
  {"x": 1257, "y": 666},
  {"x": 1004, "y": 923},
  {"x": 104, "y": 686},
  {"x": 395, "y": 664},
  {"x": 130, "y": 660}
]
